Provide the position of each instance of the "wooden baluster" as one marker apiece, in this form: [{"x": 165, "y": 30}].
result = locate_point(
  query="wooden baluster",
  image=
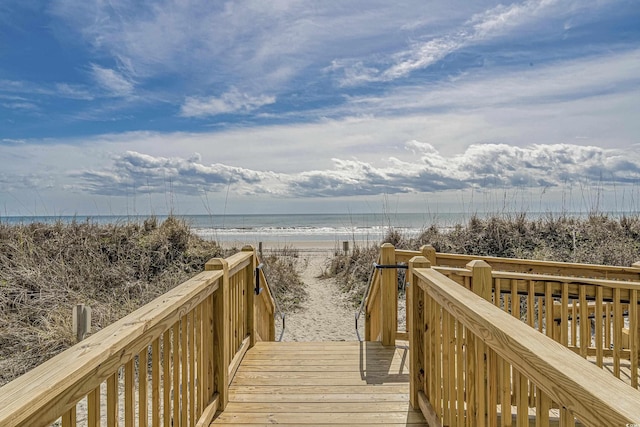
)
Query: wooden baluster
[
  {"x": 460, "y": 373},
  {"x": 143, "y": 365},
  {"x": 522, "y": 399},
  {"x": 192, "y": 368},
  {"x": 471, "y": 379},
  {"x": 531, "y": 316},
  {"x": 492, "y": 388},
  {"x": 129, "y": 390},
  {"x": 446, "y": 364},
  {"x": 564, "y": 310},
  {"x": 437, "y": 379},
  {"x": 515, "y": 312},
  {"x": 599, "y": 327},
  {"x": 112, "y": 400},
  {"x": 451, "y": 372},
  {"x": 574, "y": 323},
  {"x": 69, "y": 418},
  {"x": 166, "y": 377},
  {"x": 634, "y": 329},
  {"x": 200, "y": 361},
  {"x": 617, "y": 331},
  {"x": 607, "y": 325},
  {"x": 585, "y": 326},
  {"x": 566, "y": 419},
  {"x": 506, "y": 394},
  {"x": 543, "y": 405},
  {"x": 93, "y": 408},
  {"x": 184, "y": 365},
  {"x": 549, "y": 328},
  {"x": 633, "y": 336},
  {"x": 176, "y": 373},
  {"x": 155, "y": 382},
  {"x": 542, "y": 312}
]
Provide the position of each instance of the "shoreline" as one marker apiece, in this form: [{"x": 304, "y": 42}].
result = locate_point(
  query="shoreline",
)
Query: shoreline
[{"x": 306, "y": 246}]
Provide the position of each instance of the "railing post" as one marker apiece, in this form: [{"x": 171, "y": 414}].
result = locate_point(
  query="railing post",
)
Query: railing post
[
  {"x": 249, "y": 294},
  {"x": 636, "y": 333},
  {"x": 221, "y": 329},
  {"x": 389, "y": 294},
  {"x": 481, "y": 278},
  {"x": 416, "y": 325},
  {"x": 481, "y": 283},
  {"x": 429, "y": 252}
]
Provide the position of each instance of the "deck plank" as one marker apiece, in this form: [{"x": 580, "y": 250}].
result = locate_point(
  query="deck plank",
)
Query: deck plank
[{"x": 324, "y": 383}]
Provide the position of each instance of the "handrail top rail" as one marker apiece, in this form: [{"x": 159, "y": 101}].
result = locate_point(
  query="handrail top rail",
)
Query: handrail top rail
[
  {"x": 82, "y": 367},
  {"x": 459, "y": 258},
  {"x": 591, "y": 393},
  {"x": 234, "y": 263},
  {"x": 622, "y": 284}
]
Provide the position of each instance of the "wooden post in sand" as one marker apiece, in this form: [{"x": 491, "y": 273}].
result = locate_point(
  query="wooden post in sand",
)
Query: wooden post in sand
[{"x": 81, "y": 321}]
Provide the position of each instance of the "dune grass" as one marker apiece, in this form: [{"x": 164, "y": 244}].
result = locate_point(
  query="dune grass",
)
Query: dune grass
[
  {"x": 48, "y": 268},
  {"x": 283, "y": 268},
  {"x": 596, "y": 239}
]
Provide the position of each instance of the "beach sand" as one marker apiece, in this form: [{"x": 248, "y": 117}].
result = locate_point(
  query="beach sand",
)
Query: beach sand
[{"x": 326, "y": 315}]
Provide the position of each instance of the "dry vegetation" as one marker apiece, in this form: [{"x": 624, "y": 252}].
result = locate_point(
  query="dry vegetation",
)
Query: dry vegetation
[
  {"x": 46, "y": 269},
  {"x": 597, "y": 239},
  {"x": 282, "y": 269}
]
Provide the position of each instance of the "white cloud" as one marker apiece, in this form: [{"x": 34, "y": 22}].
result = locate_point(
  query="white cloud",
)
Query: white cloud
[
  {"x": 62, "y": 90},
  {"x": 112, "y": 81},
  {"x": 144, "y": 173},
  {"x": 252, "y": 44},
  {"x": 229, "y": 102},
  {"x": 594, "y": 89},
  {"x": 24, "y": 106},
  {"x": 489, "y": 24},
  {"x": 482, "y": 166}
]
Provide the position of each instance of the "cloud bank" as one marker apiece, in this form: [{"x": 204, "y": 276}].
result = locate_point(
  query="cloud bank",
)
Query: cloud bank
[{"x": 481, "y": 166}]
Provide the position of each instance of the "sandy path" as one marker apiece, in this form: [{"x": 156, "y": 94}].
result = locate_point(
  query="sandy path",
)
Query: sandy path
[{"x": 325, "y": 315}]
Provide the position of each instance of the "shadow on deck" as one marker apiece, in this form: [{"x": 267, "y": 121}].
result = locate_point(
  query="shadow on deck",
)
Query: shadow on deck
[{"x": 312, "y": 383}]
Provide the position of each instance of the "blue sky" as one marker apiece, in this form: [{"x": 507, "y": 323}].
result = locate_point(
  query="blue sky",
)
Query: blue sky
[{"x": 194, "y": 106}]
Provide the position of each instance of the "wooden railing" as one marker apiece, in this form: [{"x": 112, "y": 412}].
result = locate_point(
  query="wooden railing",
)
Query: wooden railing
[
  {"x": 470, "y": 361},
  {"x": 168, "y": 363},
  {"x": 593, "y": 271},
  {"x": 381, "y": 305},
  {"x": 598, "y": 319}
]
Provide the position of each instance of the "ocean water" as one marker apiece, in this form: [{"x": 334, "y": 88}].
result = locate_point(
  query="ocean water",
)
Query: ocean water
[
  {"x": 289, "y": 228},
  {"x": 283, "y": 228}
]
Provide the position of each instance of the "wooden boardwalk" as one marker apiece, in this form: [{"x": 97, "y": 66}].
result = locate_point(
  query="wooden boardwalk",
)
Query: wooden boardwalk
[{"x": 307, "y": 383}]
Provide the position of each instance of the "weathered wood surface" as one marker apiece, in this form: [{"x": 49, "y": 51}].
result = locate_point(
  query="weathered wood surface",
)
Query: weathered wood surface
[{"x": 336, "y": 383}]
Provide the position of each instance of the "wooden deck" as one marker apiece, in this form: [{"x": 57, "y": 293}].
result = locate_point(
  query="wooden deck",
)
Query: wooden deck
[{"x": 336, "y": 383}]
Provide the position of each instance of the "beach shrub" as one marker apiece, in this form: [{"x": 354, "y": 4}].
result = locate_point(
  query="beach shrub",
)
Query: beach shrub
[
  {"x": 353, "y": 270},
  {"x": 46, "y": 269},
  {"x": 282, "y": 268},
  {"x": 596, "y": 239}
]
